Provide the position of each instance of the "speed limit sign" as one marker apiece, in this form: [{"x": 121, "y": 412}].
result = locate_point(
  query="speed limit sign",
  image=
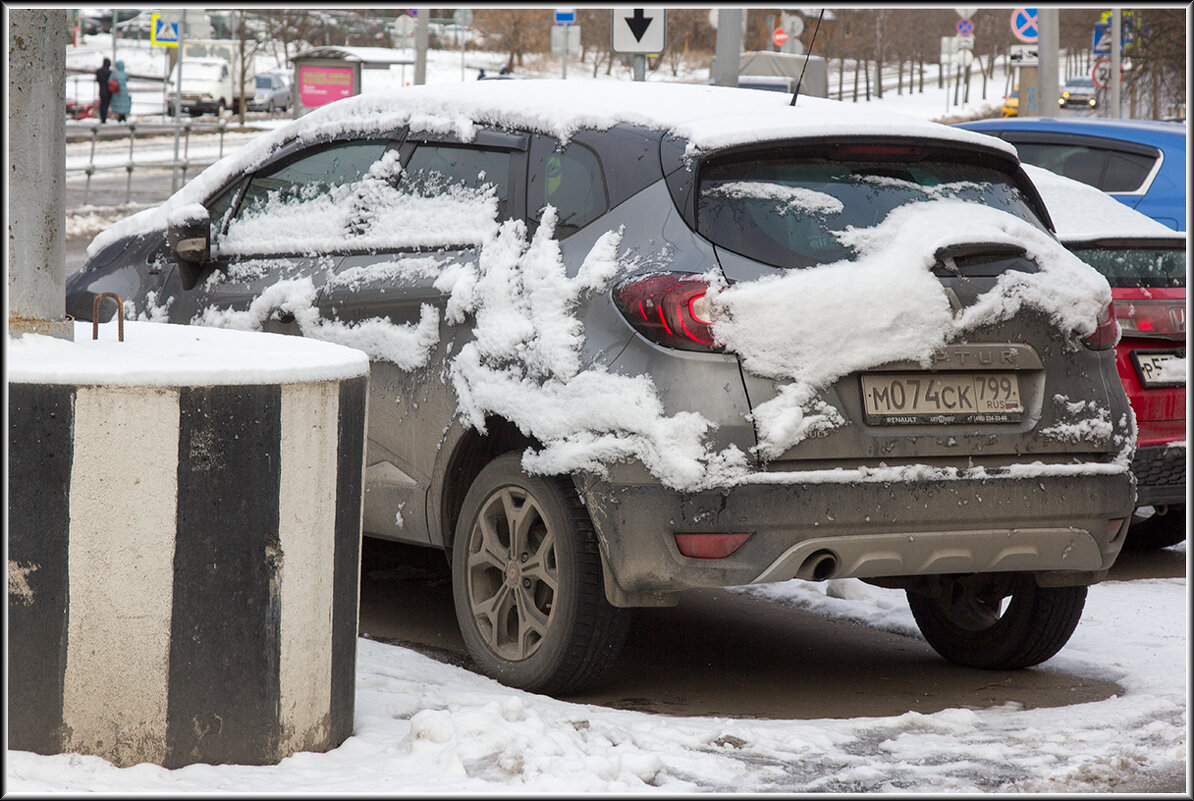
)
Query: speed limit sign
[{"x": 1102, "y": 72}]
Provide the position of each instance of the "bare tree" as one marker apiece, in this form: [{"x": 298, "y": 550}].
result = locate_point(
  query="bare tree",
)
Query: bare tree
[{"x": 517, "y": 31}]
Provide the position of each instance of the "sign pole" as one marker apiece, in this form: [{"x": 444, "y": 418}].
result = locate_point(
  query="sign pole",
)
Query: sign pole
[
  {"x": 1113, "y": 108},
  {"x": 178, "y": 106},
  {"x": 1047, "y": 48}
]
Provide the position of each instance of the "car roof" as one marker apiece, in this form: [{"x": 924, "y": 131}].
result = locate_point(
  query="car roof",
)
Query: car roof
[
  {"x": 1171, "y": 135},
  {"x": 705, "y": 117},
  {"x": 1081, "y": 212},
  {"x": 709, "y": 117}
]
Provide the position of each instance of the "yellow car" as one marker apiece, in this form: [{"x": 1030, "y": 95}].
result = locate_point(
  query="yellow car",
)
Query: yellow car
[{"x": 1011, "y": 104}]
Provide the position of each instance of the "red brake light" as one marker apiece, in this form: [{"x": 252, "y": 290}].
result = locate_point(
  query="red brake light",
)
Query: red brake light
[
  {"x": 878, "y": 151},
  {"x": 670, "y": 309},
  {"x": 1152, "y": 318},
  {"x": 1106, "y": 332}
]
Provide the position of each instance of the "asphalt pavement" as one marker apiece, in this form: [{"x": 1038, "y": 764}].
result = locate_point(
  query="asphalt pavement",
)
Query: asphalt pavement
[{"x": 724, "y": 654}]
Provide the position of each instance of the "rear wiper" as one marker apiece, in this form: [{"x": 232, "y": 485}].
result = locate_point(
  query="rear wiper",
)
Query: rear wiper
[{"x": 996, "y": 250}]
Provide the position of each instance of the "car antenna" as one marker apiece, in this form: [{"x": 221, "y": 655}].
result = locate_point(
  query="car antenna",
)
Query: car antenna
[{"x": 807, "y": 56}]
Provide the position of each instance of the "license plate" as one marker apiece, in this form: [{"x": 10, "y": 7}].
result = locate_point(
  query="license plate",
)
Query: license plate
[
  {"x": 1151, "y": 364},
  {"x": 904, "y": 398}
]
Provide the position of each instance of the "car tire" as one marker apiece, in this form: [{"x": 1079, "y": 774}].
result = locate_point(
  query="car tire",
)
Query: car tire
[
  {"x": 518, "y": 535},
  {"x": 969, "y": 624},
  {"x": 1157, "y": 531}
]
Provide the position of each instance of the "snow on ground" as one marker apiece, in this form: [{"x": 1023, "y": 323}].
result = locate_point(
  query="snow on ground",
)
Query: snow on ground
[{"x": 427, "y": 727}]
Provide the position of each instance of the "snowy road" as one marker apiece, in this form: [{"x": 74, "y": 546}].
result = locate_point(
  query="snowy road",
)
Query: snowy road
[{"x": 424, "y": 726}]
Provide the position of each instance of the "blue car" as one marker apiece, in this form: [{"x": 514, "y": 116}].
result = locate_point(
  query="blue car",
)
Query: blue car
[{"x": 1141, "y": 163}]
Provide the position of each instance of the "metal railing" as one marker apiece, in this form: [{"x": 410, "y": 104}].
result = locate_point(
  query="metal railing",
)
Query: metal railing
[{"x": 184, "y": 162}]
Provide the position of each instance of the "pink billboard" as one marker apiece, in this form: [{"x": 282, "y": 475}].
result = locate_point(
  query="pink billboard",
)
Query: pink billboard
[{"x": 320, "y": 85}]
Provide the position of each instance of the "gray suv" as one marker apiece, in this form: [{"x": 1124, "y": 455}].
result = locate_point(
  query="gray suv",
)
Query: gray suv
[{"x": 632, "y": 339}]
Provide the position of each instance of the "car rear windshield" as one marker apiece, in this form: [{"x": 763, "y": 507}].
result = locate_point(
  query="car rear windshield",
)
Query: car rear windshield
[
  {"x": 1131, "y": 267},
  {"x": 784, "y": 211}
]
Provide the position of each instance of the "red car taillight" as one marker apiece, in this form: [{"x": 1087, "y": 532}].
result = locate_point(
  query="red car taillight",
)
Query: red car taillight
[
  {"x": 1106, "y": 333},
  {"x": 670, "y": 309},
  {"x": 1152, "y": 318}
]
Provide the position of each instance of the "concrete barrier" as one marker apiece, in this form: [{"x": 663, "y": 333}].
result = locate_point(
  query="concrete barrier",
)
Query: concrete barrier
[{"x": 184, "y": 544}]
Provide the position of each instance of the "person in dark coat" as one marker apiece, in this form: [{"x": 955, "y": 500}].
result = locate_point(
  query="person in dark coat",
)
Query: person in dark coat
[
  {"x": 105, "y": 97},
  {"x": 122, "y": 102}
]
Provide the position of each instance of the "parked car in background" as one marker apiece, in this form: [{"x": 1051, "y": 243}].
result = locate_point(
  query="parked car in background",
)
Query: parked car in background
[
  {"x": 1011, "y": 104},
  {"x": 630, "y": 339},
  {"x": 1140, "y": 163},
  {"x": 136, "y": 27},
  {"x": 206, "y": 86},
  {"x": 1079, "y": 92},
  {"x": 1146, "y": 264},
  {"x": 272, "y": 92}
]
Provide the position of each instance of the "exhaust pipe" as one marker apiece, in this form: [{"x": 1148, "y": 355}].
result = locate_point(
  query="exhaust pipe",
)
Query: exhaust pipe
[{"x": 819, "y": 566}]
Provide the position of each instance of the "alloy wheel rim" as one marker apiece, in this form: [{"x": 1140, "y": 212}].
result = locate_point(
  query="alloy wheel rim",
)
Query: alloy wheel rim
[{"x": 512, "y": 573}]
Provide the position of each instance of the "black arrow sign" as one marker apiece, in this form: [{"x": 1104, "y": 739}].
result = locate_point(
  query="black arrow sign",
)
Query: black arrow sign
[{"x": 638, "y": 24}]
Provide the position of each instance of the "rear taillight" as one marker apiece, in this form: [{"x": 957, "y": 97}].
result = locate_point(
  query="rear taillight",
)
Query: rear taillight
[
  {"x": 1152, "y": 318},
  {"x": 1106, "y": 332},
  {"x": 670, "y": 309}
]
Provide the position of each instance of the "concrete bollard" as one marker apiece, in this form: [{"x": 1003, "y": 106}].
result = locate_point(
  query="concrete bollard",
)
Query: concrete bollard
[{"x": 184, "y": 544}]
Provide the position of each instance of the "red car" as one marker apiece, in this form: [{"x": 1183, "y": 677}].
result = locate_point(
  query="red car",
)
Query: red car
[{"x": 1145, "y": 263}]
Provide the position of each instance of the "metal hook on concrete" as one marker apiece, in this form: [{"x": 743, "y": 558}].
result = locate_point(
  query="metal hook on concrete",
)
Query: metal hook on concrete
[{"x": 119, "y": 314}]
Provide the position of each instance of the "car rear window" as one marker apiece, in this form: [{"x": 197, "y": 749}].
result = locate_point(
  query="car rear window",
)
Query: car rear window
[
  {"x": 1132, "y": 267},
  {"x": 1109, "y": 170},
  {"x": 784, "y": 211}
]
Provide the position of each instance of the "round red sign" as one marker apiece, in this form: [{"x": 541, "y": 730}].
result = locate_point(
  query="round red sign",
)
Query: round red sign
[{"x": 779, "y": 37}]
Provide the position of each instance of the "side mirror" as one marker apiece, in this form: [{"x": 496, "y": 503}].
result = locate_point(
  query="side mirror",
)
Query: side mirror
[{"x": 188, "y": 236}]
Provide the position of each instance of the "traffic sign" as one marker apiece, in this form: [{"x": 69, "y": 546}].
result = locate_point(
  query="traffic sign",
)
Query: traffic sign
[
  {"x": 1024, "y": 24},
  {"x": 779, "y": 37},
  {"x": 463, "y": 17},
  {"x": 565, "y": 16},
  {"x": 966, "y": 13},
  {"x": 965, "y": 27},
  {"x": 965, "y": 42},
  {"x": 1101, "y": 74},
  {"x": 792, "y": 25},
  {"x": 163, "y": 32},
  {"x": 1024, "y": 55},
  {"x": 565, "y": 40},
  {"x": 639, "y": 30}
]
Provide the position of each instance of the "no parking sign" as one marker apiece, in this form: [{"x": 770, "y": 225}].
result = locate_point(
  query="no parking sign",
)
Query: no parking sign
[
  {"x": 1024, "y": 24},
  {"x": 965, "y": 27}
]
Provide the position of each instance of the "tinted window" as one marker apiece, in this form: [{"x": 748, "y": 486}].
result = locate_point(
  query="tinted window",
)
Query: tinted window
[
  {"x": 784, "y": 211},
  {"x": 300, "y": 205},
  {"x": 1126, "y": 172},
  {"x": 435, "y": 170},
  {"x": 569, "y": 179},
  {"x": 1109, "y": 170},
  {"x": 1073, "y": 161},
  {"x": 1130, "y": 267}
]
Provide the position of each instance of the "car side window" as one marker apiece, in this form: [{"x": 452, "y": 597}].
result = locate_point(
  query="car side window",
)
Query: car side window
[
  {"x": 1126, "y": 172},
  {"x": 568, "y": 178},
  {"x": 1080, "y": 163},
  {"x": 436, "y": 168},
  {"x": 300, "y": 204},
  {"x": 447, "y": 195}
]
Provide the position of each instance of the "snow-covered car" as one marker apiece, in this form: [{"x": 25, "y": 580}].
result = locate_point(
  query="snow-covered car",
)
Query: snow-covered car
[
  {"x": 629, "y": 339},
  {"x": 1145, "y": 263}
]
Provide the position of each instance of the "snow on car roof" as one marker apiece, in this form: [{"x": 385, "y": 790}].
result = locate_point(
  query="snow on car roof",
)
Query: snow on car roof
[
  {"x": 1081, "y": 212},
  {"x": 709, "y": 117}
]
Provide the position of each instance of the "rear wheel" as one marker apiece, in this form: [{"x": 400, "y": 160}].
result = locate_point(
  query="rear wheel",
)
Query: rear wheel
[
  {"x": 997, "y": 621},
  {"x": 1165, "y": 527},
  {"x": 527, "y": 583}
]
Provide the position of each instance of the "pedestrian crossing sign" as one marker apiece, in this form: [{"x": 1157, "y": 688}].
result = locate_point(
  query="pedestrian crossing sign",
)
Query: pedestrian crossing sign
[{"x": 163, "y": 32}]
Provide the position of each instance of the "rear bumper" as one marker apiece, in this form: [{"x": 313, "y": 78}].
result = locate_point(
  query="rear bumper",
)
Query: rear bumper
[
  {"x": 1160, "y": 472},
  {"x": 1068, "y": 524}
]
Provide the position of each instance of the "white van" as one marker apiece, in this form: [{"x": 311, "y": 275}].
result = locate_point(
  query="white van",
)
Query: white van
[{"x": 206, "y": 86}]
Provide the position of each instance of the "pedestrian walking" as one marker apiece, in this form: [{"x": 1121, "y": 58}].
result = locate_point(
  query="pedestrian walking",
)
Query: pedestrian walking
[
  {"x": 102, "y": 76},
  {"x": 122, "y": 102}
]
